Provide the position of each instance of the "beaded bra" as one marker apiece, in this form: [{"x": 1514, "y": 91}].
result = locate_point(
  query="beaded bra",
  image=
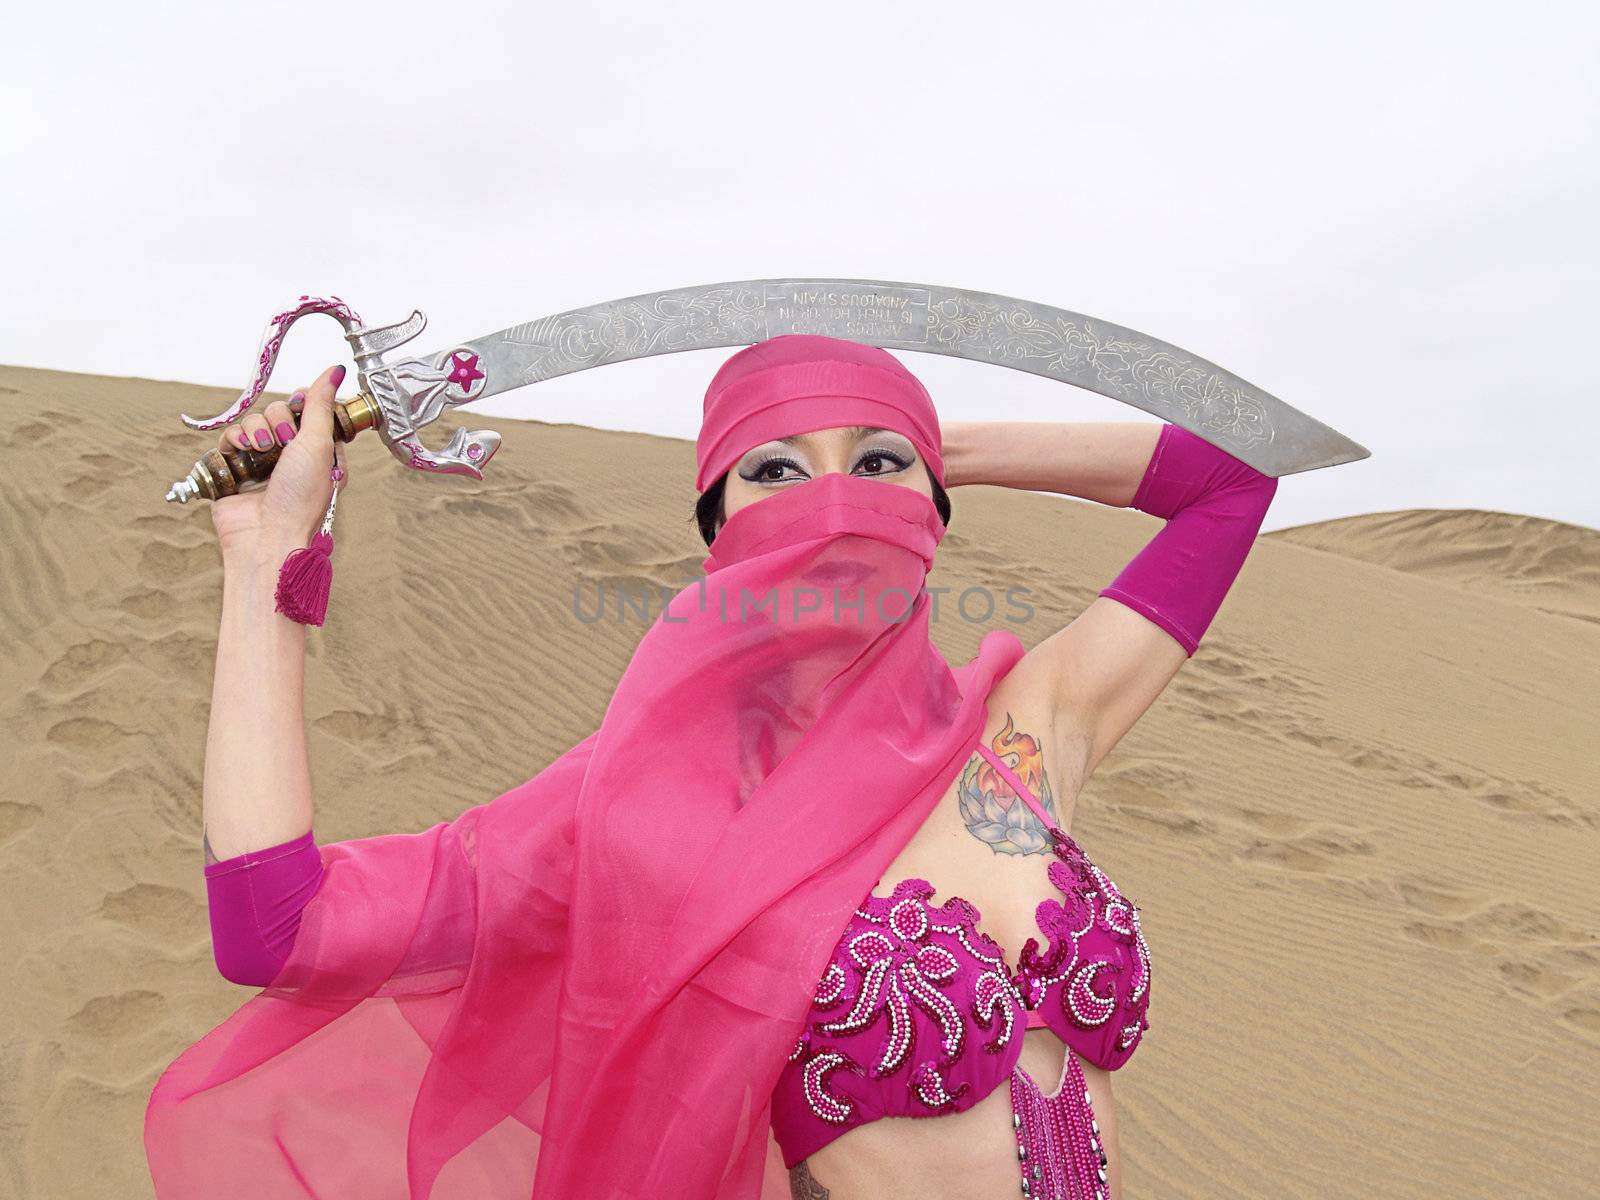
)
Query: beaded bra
[{"x": 918, "y": 1014}]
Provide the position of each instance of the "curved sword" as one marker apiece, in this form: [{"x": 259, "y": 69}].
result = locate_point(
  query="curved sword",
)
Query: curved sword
[{"x": 1099, "y": 356}]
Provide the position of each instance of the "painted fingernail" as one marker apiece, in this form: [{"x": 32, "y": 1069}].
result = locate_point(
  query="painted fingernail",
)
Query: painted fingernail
[
  {"x": 263, "y": 438},
  {"x": 297, "y": 398},
  {"x": 338, "y": 375},
  {"x": 284, "y": 430},
  {"x": 243, "y": 439}
]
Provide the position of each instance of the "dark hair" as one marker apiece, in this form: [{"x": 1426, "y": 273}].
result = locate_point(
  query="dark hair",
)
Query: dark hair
[{"x": 709, "y": 506}]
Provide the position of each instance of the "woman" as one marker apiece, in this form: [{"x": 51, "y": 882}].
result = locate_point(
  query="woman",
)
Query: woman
[{"x": 699, "y": 952}]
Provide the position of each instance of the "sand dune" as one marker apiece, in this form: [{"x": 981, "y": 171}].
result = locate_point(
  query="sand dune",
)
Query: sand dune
[
  {"x": 1544, "y": 564},
  {"x": 1364, "y": 821}
]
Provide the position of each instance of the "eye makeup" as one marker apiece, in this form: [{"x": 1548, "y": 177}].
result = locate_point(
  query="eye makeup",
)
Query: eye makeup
[
  {"x": 767, "y": 461},
  {"x": 896, "y": 455}
]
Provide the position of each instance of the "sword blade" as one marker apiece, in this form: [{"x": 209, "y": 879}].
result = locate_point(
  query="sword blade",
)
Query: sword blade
[{"x": 1102, "y": 357}]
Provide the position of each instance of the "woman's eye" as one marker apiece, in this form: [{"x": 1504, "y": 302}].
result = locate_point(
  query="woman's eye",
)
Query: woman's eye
[
  {"x": 770, "y": 471},
  {"x": 875, "y": 461}
]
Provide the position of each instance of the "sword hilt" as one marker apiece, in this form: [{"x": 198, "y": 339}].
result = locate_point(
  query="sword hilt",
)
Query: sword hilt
[
  {"x": 218, "y": 473},
  {"x": 396, "y": 402}
]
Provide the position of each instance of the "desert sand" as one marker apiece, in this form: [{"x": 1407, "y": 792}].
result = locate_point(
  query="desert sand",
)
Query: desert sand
[{"x": 1363, "y": 823}]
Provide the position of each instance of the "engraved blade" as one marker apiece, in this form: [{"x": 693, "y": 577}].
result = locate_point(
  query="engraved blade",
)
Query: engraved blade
[{"x": 1099, "y": 356}]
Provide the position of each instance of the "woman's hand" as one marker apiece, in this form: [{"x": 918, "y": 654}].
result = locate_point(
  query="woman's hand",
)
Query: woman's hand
[{"x": 289, "y": 508}]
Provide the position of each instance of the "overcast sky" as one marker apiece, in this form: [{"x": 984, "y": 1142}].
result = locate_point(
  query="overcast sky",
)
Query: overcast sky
[{"x": 1384, "y": 214}]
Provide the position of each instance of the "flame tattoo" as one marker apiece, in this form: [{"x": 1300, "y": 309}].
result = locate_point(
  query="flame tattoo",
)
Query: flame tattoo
[{"x": 993, "y": 812}]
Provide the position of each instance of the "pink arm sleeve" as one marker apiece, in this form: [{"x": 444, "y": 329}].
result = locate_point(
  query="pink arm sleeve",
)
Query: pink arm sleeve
[
  {"x": 255, "y": 900},
  {"x": 1214, "y": 505}
]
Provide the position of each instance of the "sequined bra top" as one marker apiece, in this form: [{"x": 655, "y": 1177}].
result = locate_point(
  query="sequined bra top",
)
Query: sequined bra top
[{"x": 919, "y": 1014}]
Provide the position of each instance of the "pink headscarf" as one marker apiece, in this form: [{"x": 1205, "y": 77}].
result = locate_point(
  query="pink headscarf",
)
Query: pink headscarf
[
  {"x": 588, "y": 986},
  {"x": 801, "y": 382}
]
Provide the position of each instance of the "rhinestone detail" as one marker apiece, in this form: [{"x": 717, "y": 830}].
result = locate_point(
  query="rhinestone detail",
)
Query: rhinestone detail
[{"x": 1058, "y": 1149}]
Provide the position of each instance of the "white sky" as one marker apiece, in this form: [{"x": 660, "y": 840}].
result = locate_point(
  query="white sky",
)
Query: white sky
[{"x": 1382, "y": 213}]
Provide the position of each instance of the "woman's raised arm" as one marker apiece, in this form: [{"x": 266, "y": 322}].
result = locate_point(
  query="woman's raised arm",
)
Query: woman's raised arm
[
  {"x": 261, "y": 863},
  {"x": 1110, "y": 664}
]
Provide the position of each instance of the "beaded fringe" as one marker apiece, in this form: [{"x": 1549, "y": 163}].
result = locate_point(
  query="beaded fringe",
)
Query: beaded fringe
[{"x": 1058, "y": 1139}]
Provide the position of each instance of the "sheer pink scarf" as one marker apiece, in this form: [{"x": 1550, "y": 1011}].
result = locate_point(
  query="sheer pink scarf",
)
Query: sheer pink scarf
[{"x": 588, "y": 986}]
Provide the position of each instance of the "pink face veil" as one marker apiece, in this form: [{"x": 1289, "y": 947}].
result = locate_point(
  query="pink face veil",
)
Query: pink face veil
[{"x": 589, "y": 985}]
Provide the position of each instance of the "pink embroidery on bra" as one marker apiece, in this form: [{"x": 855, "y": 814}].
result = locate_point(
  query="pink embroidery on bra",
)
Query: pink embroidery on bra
[
  {"x": 1095, "y": 902},
  {"x": 895, "y": 966}
]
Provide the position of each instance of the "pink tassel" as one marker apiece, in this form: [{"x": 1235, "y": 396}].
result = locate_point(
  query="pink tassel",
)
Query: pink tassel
[{"x": 305, "y": 579}]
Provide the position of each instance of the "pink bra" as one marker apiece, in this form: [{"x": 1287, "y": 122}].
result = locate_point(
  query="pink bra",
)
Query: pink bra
[{"x": 918, "y": 1013}]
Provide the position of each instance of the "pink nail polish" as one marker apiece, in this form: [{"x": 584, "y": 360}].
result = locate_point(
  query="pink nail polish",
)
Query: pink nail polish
[
  {"x": 263, "y": 438},
  {"x": 284, "y": 430},
  {"x": 338, "y": 375},
  {"x": 297, "y": 397}
]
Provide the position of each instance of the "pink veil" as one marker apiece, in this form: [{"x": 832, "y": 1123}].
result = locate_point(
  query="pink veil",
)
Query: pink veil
[{"x": 588, "y": 985}]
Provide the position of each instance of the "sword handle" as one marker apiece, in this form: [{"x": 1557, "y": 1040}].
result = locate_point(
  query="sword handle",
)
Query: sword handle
[{"x": 218, "y": 473}]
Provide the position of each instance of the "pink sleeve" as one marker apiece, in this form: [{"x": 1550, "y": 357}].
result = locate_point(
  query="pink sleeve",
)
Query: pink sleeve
[
  {"x": 255, "y": 900},
  {"x": 1214, "y": 505}
]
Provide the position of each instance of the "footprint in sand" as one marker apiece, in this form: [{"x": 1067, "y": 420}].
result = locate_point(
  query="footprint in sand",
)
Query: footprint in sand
[
  {"x": 387, "y": 738},
  {"x": 16, "y": 818},
  {"x": 610, "y": 593},
  {"x": 88, "y": 734},
  {"x": 1584, "y": 1020},
  {"x": 1436, "y": 900},
  {"x": 118, "y": 1014},
  {"x": 535, "y": 505},
  {"x": 115, "y": 465},
  {"x": 621, "y": 558},
  {"x": 1257, "y": 672},
  {"x": 168, "y": 916},
  {"x": 482, "y": 510},
  {"x": 363, "y": 729},
  {"x": 982, "y": 552},
  {"x": 33, "y": 432},
  {"x": 1533, "y": 800},
  {"x": 1153, "y": 793},
  {"x": 1533, "y": 953},
  {"x": 80, "y": 664},
  {"x": 146, "y": 604},
  {"x": 1276, "y": 824},
  {"x": 1317, "y": 852},
  {"x": 163, "y": 562}
]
